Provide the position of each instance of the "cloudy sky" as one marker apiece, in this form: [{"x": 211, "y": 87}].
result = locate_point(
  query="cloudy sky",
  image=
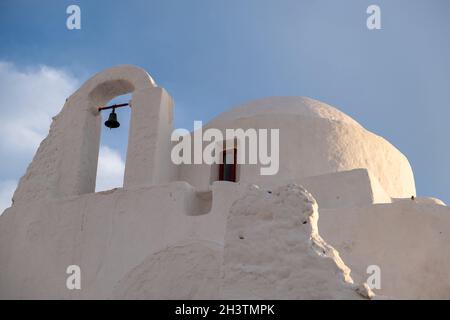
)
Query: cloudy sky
[{"x": 213, "y": 54}]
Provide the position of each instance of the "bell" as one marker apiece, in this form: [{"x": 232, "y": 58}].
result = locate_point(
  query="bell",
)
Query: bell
[{"x": 112, "y": 120}]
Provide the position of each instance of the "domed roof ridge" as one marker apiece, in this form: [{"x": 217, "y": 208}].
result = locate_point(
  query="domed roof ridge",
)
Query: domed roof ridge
[{"x": 295, "y": 105}]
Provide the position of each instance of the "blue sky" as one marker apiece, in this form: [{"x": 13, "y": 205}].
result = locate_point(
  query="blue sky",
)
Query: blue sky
[{"x": 213, "y": 54}]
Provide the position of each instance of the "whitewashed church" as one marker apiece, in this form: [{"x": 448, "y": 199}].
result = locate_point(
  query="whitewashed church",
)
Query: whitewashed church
[{"x": 339, "y": 220}]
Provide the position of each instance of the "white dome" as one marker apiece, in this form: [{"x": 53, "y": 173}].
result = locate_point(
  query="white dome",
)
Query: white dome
[{"x": 315, "y": 139}]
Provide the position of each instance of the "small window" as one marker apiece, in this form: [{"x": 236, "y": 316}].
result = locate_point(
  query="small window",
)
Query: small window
[{"x": 227, "y": 169}]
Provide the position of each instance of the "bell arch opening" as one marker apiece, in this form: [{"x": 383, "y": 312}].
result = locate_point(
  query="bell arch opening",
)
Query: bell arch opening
[
  {"x": 113, "y": 142},
  {"x": 113, "y": 146}
]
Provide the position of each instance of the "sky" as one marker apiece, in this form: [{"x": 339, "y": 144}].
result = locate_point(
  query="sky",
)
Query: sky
[{"x": 211, "y": 55}]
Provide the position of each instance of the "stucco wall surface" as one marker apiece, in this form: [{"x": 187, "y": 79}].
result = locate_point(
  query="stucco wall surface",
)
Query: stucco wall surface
[
  {"x": 407, "y": 239},
  {"x": 144, "y": 243}
]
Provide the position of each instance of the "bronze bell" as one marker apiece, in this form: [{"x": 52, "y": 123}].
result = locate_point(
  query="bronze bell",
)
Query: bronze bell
[{"x": 112, "y": 120}]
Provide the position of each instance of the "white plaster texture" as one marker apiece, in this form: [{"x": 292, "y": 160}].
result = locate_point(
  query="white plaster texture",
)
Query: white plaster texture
[
  {"x": 407, "y": 239},
  {"x": 273, "y": 250}
]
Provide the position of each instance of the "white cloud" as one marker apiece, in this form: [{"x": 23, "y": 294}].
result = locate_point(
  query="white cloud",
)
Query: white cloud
[
  {"x": 29, "y": 99},
  {"x": 7, "y": 189},
  {"x": 110, "y": 169}
]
